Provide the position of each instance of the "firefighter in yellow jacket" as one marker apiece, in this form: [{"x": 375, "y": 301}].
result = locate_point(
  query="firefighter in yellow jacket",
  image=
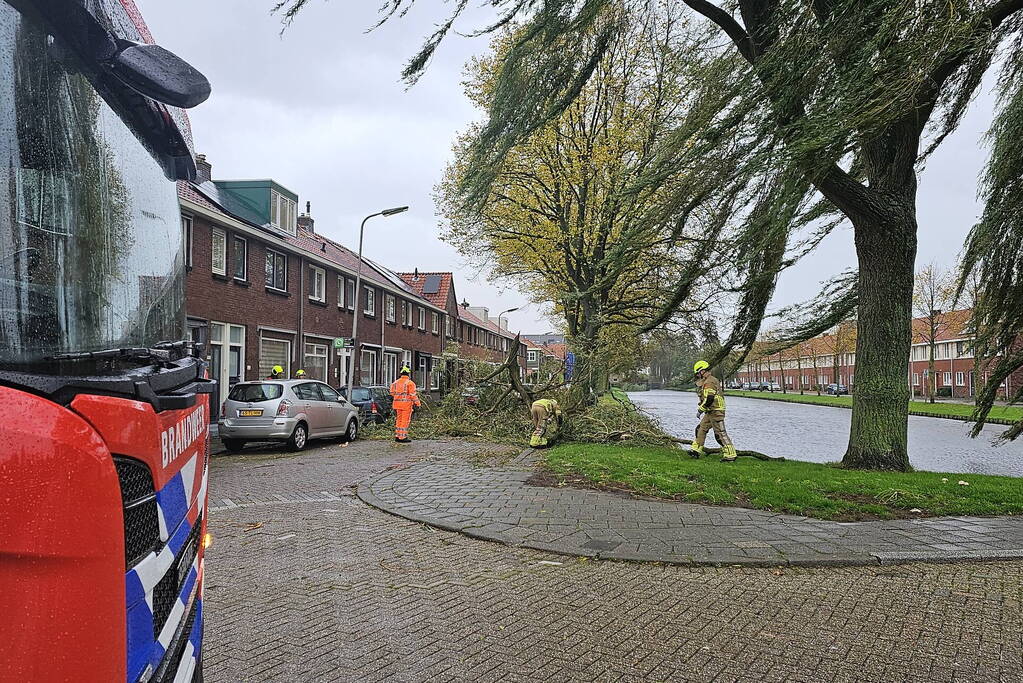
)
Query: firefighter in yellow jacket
[
  {"x": 403, "y": 390},
  {"x": 546, "y": 414},
  {"x": 711, "y": 412}
]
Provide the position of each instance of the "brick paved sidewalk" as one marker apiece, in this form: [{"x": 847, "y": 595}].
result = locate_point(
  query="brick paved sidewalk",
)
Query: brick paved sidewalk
[{"x": 497, "y": 504}]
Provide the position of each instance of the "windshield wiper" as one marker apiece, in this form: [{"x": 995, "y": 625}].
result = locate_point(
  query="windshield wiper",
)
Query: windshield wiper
[{"x": 164, "y": 352}]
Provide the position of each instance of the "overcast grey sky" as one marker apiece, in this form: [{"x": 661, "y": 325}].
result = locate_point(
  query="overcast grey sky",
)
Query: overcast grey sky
[{"x": 321, "y": 109}]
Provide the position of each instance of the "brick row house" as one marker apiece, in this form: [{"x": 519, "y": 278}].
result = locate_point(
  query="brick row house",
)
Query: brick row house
[
  {"x": 263, "y": 288},
  {"x": 831, "y": 359}
]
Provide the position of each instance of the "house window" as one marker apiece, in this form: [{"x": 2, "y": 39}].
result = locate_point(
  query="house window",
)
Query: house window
[
  {"x": 226, "y": 354},
  {"x": 368, "y": 367},
  {"x": 916, "y": 379},
  {"x": 350, "y": 294},
  {"x": 371, "y": 304},
  {"x": 391, "y": 316},
  {"x": 317, "y": 284},
  {"x": 276, "y": 270},
  {"x": 531, "y": 356},
  {"x": 282, "y": 212},
  {"x": 406, "y": 313},
  {"x": 422, "y": 318},
  {"x": 241, "y": 259},
  {"x": 389, "y": 368},
  {"x": 340, "y": 292},
  {"x": 435, "y": 375},
  {"x": 946, "y": 379},
  {"x": 406, "y": 359},
  {"x": 960, "y": 379},
  {"x": 219, "y": 247},
  {"x": 449, "y": 325},
  {"x": 186, "y": 235},
  {"x": 802, "y": 380},
  {"x": 424, "y": 370},
  {"x": 435, "y": 323},
  {"x": 274, "y": 352},
  {"x": 316, "y": 361}
]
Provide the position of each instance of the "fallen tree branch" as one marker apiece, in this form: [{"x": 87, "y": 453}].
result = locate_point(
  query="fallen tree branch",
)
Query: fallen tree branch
[{"x": 748, "y": 454}]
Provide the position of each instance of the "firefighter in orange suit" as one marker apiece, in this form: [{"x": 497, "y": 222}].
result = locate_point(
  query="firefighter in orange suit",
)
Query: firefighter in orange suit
[{"x": 403, "y": 390}]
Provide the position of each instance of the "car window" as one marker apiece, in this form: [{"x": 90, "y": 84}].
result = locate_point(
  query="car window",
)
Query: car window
[
  {"x": 361, "y": 394},
  {"x": 255, "y": 393},
  {"x": 328, "y": 393},
  {"x": 307, "y": 392},
  {"x": 382, "y": 393}
]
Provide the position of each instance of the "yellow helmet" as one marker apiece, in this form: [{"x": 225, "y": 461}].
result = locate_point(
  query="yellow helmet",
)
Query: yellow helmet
[
  {"x": 300, "y": 373},
  {"x": 277, "y": 370},
  {"x": 405, "y": 370},
  {"x": 700, "y": 365}
]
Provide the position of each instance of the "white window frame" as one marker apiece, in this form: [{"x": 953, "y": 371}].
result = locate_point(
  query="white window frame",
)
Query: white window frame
[
  {"x": 273, "y": 285},
  {"x": 406, "y": 359},
  {"x": 373, "y": 365},
  {"x": 531, "y": 356},
  {"x": 226, "y": 345},
  {"x": 283, "y": 212},
  {"x": 221, "y": 235},
  {"x": 389, "y": 368},
  {"x": 319, "y": 280},
  {"x": 389, "y": 307},
  {"x": 960, "y": 378},
  {"x": 371, "y": 302},
  {"x": 916, "y": 379},
  {"x": 316, "y": 350},
  {"x": 435, "y": 375},
  {"x": 946, "y": 379},
  {"x": 287, "y": 364},
  {"x": 340, "y": 292},
  {"x": 245, "y": 258},
  {"x": 435, "y": 322},
  {"x": 186, "y": 232},
  {"x": 350, "y": 293},
  {"x": 422, "y": 319},
  {"x": 449, "y": 326},
  {"x": 406, "y": 313}
]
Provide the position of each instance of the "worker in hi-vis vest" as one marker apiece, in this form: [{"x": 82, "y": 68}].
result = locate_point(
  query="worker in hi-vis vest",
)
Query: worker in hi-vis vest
[{"x": 403, "y": 390}]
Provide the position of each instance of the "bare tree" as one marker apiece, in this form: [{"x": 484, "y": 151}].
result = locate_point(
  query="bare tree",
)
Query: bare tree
[{"x": 933, "y": 295}]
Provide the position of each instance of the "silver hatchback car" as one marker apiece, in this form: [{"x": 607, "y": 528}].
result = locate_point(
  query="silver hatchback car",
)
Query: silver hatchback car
[{"x": 289, "y": 410}]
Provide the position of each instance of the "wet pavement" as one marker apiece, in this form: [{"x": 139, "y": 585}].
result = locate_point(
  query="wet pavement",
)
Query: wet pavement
[
  {"x": 307, "y": 583},
  {"x": 821, "y": 434}
]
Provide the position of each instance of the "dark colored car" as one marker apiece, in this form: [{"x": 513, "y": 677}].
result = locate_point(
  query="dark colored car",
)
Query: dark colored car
[
  {"x": 374, "y": 402},
  {"x": 836, "y": 389}
]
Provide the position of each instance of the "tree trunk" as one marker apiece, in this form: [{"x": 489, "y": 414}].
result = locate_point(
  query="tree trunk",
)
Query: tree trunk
[
  {"x": 932, "y": 377},
  {"x": 886, "y": 254}
]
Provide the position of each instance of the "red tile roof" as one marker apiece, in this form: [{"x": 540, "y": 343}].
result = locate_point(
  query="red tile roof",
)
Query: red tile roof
[{"x": 418, "y": 280}]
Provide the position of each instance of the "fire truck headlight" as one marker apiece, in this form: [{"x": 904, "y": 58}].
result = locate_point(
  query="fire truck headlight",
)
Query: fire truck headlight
[{"x": 207, "y": 541}]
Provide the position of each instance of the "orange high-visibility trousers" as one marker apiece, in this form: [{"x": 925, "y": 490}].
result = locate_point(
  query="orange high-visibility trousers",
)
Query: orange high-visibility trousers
[{"x": 402, "y": 418}]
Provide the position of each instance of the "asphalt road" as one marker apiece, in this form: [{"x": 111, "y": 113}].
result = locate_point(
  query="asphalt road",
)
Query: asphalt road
[{"x": 821, "y": 434}]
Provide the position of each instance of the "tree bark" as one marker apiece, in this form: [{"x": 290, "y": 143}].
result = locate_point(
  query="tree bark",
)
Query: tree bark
[{"x": 886, "y": 253}]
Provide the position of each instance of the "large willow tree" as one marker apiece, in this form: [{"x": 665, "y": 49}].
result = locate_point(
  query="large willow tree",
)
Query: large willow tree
[
  {"x": 583, "y": 212},
  {"x": 841, "y": 99}
]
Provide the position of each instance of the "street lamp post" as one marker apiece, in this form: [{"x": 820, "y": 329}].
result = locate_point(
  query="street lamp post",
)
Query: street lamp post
[{"x": 358, "y": 283}]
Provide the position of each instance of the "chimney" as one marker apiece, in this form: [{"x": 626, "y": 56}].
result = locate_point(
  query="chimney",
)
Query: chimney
[
  {"x": 305, "y": 221},
  {"x": 415, "y": 275},
  {"x": 480, "y": 312},
  {"x": 203, "y": 169},
  {"x": 504, "y": 323}
]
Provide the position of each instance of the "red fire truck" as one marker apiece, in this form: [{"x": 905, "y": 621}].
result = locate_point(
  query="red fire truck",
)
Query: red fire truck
[{"x": 104, "y": 407}]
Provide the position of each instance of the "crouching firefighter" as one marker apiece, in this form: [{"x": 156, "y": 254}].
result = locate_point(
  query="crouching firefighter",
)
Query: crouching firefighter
[
  {"x": 711, "y": 413},
  {"x": 403, "y": 390},
  {"x": 546, "y": 414}
]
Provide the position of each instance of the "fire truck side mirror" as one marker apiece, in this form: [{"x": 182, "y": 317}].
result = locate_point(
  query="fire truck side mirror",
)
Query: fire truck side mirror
[{"x": 161, "y": 75}]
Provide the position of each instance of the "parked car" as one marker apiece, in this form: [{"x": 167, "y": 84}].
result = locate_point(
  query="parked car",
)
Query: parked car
[
  {"x": 293, "y": 411},
  {"x": 773, "y": 386},
  {"x": 836, "y": 389},
  {"x": 374, "y": 402},
  {"x": 471, "y": 395}
]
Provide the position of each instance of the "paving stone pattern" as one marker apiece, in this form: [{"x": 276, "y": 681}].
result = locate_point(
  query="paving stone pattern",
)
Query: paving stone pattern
[
  {"x": 307, "y": 583},
  {"x": 497, "y": 504}
]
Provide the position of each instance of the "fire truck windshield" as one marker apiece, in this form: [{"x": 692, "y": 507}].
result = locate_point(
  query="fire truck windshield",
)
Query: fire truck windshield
[{"x": 90, "y": 230}]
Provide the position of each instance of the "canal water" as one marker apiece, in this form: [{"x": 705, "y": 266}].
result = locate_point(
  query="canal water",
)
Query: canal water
[{"x": 820, "y": 434}]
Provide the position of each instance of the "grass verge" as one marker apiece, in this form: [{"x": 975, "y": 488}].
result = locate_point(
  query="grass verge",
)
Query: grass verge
[
  {"x": 801, "y": 488},
  {"x": 958, "y": 410}
]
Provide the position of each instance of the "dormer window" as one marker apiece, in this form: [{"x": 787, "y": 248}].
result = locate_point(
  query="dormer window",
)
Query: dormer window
[{"x": 282, "y": 212}]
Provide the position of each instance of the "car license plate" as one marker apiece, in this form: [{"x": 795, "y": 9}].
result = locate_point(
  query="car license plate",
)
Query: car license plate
[{"x": 249, "y": 413}]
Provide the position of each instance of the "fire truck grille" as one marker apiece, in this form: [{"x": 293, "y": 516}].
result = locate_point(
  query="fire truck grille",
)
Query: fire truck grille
[
  {"x": 166, "y": 592},
  {"x": 138, "y": 498}
]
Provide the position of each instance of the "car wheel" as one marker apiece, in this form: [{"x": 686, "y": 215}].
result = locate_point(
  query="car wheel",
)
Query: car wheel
[
  {"x": 352, "y": 433},
  {"x": 233, "y": 445},
  {"x": 299, "y": 437}
]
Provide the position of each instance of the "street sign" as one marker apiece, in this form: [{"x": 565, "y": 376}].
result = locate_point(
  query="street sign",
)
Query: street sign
[{"x": 339, "y": 342}]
